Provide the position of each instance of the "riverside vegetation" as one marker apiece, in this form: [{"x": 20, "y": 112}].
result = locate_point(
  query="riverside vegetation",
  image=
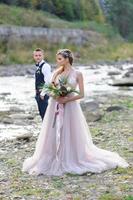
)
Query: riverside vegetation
[{"x": 111, "y": 46}]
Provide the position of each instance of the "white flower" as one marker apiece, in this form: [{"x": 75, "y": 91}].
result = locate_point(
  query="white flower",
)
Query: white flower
[
  {"x": 51, "y": 93},
  {"x": 68, "y": 89}
]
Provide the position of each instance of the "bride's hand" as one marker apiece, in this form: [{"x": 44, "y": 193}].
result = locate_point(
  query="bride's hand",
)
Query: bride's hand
[{"x": 62, "y": 100}]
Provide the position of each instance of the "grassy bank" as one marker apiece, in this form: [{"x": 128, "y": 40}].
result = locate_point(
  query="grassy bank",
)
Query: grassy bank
[
  {"x": 110, "y": 47},
  {"x": 12, "y": 15},
  {"x": 21, "y": 52}
]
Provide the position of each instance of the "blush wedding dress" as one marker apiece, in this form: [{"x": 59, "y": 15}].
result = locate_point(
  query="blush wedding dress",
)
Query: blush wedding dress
[{"x": 66, "y": 146}]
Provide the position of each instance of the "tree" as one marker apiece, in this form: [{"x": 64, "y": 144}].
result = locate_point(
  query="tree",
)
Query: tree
[
  {"x": 120, "y": 14},
  {"x": 66, "y": 9}
]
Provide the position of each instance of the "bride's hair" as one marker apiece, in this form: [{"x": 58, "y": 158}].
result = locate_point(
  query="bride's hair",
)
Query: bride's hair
[{"x": 65, "y": 53}]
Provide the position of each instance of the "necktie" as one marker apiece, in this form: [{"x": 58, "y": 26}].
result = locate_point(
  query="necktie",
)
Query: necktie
[{"x": 37, "y": 64}]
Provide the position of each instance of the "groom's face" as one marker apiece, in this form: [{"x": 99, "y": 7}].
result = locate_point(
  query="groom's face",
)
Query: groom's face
[{"x": 38, "y": 56}]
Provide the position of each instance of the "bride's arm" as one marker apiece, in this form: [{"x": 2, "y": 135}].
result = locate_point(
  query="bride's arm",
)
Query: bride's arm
[{"x": 81, "y": 91}]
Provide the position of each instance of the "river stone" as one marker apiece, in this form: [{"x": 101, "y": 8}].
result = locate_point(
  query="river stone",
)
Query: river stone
[
  {"x": 122, "y": 82},
  {"x": 7, "y": 120},
  {"x": 5, "y": 93},
  {"x": 114, "y": 108},
  {"x": 25, "y": 136},
  {"x": 4, "y": 113},
  {"x": 93, "y": 116},
  {"x": 90, "y": 106},
  {"x": 114, "y": 72},
  {"x": 128, "y": 74},
  {"x": 91, "y": 111},
  {"x": 15, "y": 109},
  {"x": 21, "y": 116},
  {"x": 20, "y": 122}
]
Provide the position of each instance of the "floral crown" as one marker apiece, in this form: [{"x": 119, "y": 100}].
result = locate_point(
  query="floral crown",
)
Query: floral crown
[{"x": 65, "y": 53}]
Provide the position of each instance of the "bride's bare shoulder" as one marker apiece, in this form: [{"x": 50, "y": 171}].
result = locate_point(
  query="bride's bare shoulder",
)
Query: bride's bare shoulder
[{"x": 78, "y": 73}]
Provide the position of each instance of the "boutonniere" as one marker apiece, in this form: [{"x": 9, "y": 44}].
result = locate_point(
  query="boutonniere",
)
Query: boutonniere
[{"x": 38, "y": 71}]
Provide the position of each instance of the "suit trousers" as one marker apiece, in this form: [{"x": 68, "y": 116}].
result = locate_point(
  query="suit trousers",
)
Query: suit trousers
[{"x": 42, "y": 104}]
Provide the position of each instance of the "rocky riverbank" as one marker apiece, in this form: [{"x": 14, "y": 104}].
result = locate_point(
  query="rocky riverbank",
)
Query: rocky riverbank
[
  {"x": 112, "y": 131},
  {"x": 109, "y": 113}
]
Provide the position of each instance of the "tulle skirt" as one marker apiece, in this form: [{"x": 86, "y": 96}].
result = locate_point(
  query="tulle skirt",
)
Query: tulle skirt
[{"x": 68, "y": 147}]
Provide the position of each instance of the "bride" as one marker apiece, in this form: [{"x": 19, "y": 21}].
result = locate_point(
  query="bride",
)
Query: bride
[{"x": 67, "y": 147}]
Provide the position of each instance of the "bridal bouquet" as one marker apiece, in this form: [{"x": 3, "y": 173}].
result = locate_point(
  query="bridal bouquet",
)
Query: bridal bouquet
[{"x": 62, "y": 89}]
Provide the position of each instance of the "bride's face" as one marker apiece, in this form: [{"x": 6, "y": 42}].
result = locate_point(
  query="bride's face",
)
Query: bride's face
[{"x": 61, "y": 61}]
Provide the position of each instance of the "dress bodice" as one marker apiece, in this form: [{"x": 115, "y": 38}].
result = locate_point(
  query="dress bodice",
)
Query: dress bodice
[{"x": 71, "y": 78}]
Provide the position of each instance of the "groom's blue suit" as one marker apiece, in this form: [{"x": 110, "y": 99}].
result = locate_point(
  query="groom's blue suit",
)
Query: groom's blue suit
[{"x": 39, "y": 81}]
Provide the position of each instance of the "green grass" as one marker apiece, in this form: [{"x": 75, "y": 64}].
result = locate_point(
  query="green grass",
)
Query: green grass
[
  {"x": 21, "y": 52},
  {"x": 110, "y": 46},
  {"x": 110, "y": 117},
  {"x": 109, "y": 197},
  {"x": 12, "y": 15},
  {"x": 113, "y": 197},
  {"x": 128, "y": 171},
  {"x": 127, "y": 102},
  {"x": 23, "y": 17},
  {"x": 128, "y": 197}
]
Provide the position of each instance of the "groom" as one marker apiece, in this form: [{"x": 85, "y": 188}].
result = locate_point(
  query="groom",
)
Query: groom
[{"x": 42, "y": 76}]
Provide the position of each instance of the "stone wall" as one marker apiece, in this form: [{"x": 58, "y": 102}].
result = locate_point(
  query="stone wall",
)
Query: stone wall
[{"x": 52, "y": 35}]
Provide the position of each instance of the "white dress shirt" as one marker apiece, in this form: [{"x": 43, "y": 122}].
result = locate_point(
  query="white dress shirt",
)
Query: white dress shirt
[{"x": 46, "y": 70}]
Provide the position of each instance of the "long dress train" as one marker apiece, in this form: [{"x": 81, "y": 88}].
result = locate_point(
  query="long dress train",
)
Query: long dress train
[{"x": 68, "y": 147}]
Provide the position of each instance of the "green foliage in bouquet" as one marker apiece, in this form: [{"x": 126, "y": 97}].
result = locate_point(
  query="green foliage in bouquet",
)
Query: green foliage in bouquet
[{"x": 62, "y": 89}]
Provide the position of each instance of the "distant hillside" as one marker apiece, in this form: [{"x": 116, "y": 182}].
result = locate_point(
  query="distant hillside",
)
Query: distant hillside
[
  {"x": 12, "y": 15},
  {"x": 89, "y": 40},
  {"x": 66, "y": 9},
  {"x": 27, "y": 17}
]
